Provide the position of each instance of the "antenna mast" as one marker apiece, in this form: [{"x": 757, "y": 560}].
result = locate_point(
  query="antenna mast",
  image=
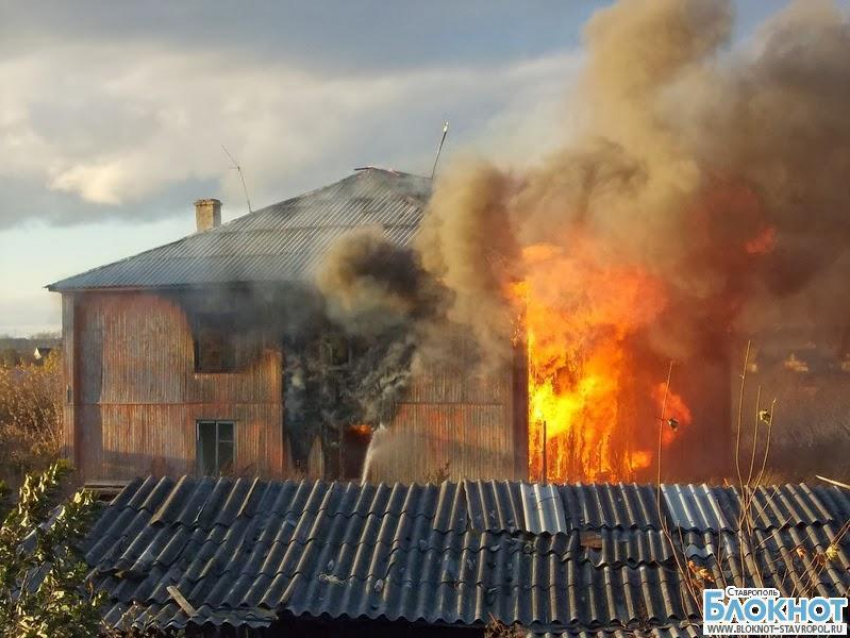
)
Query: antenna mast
[
  {"x": 440, "y": 148},
  {"x": 241, "y": 176}
]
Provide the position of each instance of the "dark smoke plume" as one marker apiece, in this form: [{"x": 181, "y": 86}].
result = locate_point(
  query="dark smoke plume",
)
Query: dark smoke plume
[
  {"x": 374, "y": 287},
  {"x": 378, "y": 294}
]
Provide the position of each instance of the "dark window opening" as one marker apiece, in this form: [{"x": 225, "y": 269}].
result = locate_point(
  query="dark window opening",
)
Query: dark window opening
[
  {"x": 355, "y": 444},
  {"x": 215, "y": 349},
  {"x": 335, "y": 351},
  {"x": 216, "y": 447}
]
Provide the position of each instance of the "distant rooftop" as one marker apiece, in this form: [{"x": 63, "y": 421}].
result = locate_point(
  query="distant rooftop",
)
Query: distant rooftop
[{"x": 282, "y": 242}]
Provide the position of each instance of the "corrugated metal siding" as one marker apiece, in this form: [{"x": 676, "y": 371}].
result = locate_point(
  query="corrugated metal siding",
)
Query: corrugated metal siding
[
  {"x": 137, "y": 350},
  {"x": 469, "y": 440},
  {"x": 282, "y": 242},
  {"x": 454, "y": 420},
  {"x": 69, "y": 363},
  {"x": 243, "y": 549},
  {"x": 140, "y": 397}
]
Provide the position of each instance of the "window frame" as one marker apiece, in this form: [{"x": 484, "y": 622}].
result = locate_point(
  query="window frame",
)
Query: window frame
[
  {"x": 198, "y": 457},
  {"x": 222, "y": 325},
  {"x": 331, "y": 345}
]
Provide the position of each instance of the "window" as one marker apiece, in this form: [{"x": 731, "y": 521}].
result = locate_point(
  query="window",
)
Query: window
[
  {"x": 335, "y": 351},
  {"x": 355, "y": 445},
  {"x": 216, "y": 447},
  {"x": 214, "y": 344}
]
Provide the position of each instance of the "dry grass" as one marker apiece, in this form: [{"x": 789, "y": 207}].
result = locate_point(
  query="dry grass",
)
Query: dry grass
[
  {"x": 497, "y": 629},
  {"x": 773, "y": 446},
  {"x": 813, "y": 434},
  {"x": 30, "y": 417}
]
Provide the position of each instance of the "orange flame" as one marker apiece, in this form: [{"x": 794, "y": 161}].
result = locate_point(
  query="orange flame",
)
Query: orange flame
[
  {"x": 762, "y": 243},
  {"x": 579, "y": 309}
]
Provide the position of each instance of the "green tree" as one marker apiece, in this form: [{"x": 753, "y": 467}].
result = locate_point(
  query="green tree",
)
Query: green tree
[{"x": 44, "y": 592}]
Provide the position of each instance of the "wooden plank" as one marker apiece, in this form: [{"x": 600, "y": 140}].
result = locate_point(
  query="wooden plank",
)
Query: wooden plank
[{"x": 181, "y": 600}]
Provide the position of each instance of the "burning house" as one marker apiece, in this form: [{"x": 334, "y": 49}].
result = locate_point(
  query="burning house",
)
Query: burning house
[
  {"x": 576, "y": 319},
  {"x": 307, "y": 337},
  {"x": 213, "y": 355}
]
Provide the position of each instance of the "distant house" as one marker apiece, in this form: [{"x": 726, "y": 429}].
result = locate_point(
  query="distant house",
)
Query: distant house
[
  {"x": 41, "y": 353},
  {"x": 252, "y": 558},
  {"x": 188, "y": 358}
]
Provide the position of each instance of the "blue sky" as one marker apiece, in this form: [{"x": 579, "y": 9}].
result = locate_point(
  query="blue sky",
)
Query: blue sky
[{"x": 112, "y": 115}]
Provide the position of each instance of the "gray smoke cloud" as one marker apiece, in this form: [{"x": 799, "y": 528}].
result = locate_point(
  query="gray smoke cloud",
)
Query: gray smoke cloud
[{"x": 467, "y": 242}]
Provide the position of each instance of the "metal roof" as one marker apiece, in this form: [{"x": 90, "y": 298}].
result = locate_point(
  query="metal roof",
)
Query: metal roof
[
  {"x": 556, "y": 559},
  {"x": 282, "y": 242}
]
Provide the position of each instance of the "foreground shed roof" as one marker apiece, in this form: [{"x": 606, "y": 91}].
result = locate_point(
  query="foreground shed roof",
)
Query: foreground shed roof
[
  {"x": 564, "y": 559},
  {"x": 278, "y": 243}
]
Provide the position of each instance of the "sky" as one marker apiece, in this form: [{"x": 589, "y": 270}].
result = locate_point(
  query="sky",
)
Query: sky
[{"x": 113, "y": 115}]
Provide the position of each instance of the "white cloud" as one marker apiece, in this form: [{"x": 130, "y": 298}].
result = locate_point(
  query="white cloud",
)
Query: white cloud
[{"x": 118, "y": 126}]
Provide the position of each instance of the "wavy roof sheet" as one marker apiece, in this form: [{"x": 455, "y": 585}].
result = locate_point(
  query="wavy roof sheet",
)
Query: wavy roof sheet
[
  {"x": 280, "y": 243},
  {"x": 556, "y": 559}
]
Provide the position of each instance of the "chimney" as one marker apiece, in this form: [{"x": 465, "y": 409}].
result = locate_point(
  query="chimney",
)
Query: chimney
[{"x": 207, "y": 214}]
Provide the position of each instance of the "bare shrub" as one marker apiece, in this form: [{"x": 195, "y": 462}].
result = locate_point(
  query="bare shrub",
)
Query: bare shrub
[{"x": 497, "y": 629}]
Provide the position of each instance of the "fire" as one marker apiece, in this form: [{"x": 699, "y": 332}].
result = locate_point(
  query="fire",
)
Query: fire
[
  {"x": 762, "y": 243},
  {"x": 580, "y": 308}
]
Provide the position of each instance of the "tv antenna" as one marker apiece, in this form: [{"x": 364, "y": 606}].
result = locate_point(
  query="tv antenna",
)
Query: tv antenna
[
  {"x": 440, "y": 148},
  {"x": 238, "y": 168}
]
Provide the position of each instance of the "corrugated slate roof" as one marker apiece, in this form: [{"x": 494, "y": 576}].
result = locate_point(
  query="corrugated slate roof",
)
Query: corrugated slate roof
[
  {"x": 282, "y": 242},
  {"x": 700, "y": 507},
  {"x": 623, "y": 505},
  {"x": 557, "y": 559}
]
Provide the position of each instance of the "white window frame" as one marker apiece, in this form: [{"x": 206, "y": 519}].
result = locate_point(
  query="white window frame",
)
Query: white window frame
[{"x": 199, "y": 460}]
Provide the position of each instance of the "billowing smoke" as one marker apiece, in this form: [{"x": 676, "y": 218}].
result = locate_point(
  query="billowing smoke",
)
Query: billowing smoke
[
  {"x": 704, "y": 196},
  {"x": 373, "y": 286},
  {"x": 720, "y": 172},
  {"x": 378, "y": 294}
]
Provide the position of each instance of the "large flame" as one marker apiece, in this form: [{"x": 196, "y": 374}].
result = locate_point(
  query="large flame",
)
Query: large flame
[{"x": 580, "y": 309}]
